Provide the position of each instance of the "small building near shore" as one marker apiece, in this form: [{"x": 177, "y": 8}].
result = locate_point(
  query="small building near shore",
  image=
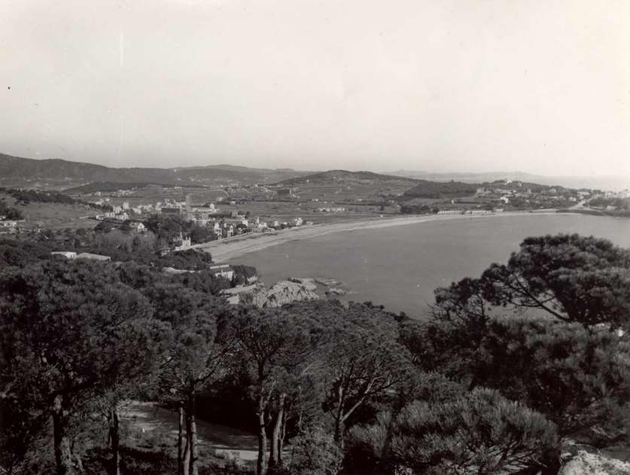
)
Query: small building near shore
[
  {"x": 66, "y": 254},
  {"x": 284, "y": 193},
  {"x": 94, "y": 257},
  {"x": 9, "y": 223},
  {"x": 171, "y": 211},
  {"x": 222, "y": 270}
]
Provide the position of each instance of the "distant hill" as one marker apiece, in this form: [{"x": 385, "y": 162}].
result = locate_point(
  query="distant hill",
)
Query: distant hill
[
  {"x": 109, "y": 186},
  {"x": 615, "y": 183},
  {"x": 440, "y": 189},
  {"x": 17, "y": 171},
  {"x": 469, "y": 177},
  {"x": 57, "y": 173},
  {"x": 335, "y": 177},
  {"x": 244, "y": 175}
]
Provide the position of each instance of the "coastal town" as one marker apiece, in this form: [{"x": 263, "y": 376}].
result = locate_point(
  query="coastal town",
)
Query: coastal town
[{"x": 188, "y": 216}]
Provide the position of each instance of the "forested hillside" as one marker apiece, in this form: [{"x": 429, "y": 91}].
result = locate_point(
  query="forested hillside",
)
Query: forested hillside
[
  {"x": 26, "y": 172},
  {"x": 435, "y": 189},
  {"x": 344, "y": 176}
]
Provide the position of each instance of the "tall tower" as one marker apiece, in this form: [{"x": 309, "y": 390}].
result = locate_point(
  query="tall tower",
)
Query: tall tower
[{"x": 189, "y": 202}]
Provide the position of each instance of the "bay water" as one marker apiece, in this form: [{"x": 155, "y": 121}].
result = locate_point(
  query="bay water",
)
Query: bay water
[{"x": 400, "y": 266}]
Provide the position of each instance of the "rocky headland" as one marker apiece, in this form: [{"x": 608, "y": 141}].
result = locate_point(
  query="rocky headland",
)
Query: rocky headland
[{"x": 285, "y": 291}]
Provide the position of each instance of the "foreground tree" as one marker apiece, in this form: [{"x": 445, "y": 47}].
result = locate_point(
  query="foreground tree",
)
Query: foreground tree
[
  {"x": 578, "y": 378},
  {"x": 481, "y": 433},
  {"x": 573, "y": 278},
  {"x": 364, "y": 361},
  {"x": 193, "y": 359},
  {"x": 478, "y": 433},
  {"x": 272, "y": 343},
  {"x": 68, "y": 332},
  {"x": 540, "y": 331}
]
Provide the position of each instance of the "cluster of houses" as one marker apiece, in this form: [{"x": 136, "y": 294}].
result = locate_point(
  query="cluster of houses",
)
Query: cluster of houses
[
  {"x": 235, "y": 225},
  {"x": 185, "y": 209},
  {"x": 222, "y": 225},
  {"x": 225, "y": 226},
  {"x": 624, "y": 195},
  {"x": 9, "y": 226},
  {"x": 508, "y": 192},
  {"x": 475, "y": 212},
  {"x": 330, "y": 210}
]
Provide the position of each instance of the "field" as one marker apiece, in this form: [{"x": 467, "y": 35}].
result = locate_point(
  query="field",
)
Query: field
[
  {"x": 53, "y": 215},
  {"x": 284, "y": 210}
]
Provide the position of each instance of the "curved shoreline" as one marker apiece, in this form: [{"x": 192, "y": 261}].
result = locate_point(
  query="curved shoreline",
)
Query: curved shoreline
[{"x": 231, "y": 248}]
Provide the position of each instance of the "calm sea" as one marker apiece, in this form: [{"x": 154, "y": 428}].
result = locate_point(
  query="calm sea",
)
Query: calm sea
[{"x": 400, "y": 266}]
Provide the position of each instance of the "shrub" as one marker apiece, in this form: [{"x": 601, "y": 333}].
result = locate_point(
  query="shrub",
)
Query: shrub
[
  {"x": 481, "y": 432},
  {"x": 315, "y": 453}
]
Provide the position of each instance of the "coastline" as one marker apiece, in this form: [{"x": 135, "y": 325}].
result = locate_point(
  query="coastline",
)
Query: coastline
[{"x": 227, "y": 249}]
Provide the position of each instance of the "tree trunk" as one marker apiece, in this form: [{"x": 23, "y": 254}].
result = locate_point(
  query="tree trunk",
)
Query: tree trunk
[
  {"x": 261, "y": 466},
  {"x": 186, "y": 460},
  {"x": 182, "y": 450},
  {"x": 283, "y": 432},
  {"x": 114, "y": 436},
  {"x": 551, "y": 462},
  {"x": 339, "y": 432},
  {"x": 275, "y": 459},
  {"x": 192, "y": 435},
  {"x": 341, "y": 400},
  {"x": 63, "y": 455}
]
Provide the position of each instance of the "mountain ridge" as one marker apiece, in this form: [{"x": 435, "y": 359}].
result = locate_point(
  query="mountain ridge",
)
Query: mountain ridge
[
  {"x": 61, "y": 173},
  {"x": 344, "y": 176}
]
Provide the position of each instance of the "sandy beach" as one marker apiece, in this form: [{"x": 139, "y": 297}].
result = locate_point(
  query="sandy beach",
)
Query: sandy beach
[{"x": 227, "y": 249}]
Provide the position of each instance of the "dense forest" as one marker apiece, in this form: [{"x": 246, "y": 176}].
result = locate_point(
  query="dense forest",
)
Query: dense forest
[
  {"x": 434, "y": 189},
  {"x": 9, "y": 212},
  {"x": 119, "y": 245},
  {"x": 506, "y": 368},
  {"x": 25, "y": 197}
]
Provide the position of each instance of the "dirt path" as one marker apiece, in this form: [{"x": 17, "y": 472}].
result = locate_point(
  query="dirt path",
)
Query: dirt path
[{"x": 229, "y": 442}]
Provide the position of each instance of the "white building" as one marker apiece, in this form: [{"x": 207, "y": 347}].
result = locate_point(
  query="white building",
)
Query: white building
[
  {"x": 9, "y": 223},
  {"x": 94, "y": 257},
  {"x": 222, "y": 270},
  {"x": 66, "y": 254},
  {"x": 138, "y": 227}
]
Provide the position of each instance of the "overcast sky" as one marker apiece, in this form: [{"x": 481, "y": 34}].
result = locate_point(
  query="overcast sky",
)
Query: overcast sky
[{"x": 437, "y": 85}]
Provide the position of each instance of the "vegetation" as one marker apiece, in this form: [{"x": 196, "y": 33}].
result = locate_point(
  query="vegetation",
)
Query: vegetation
[
  {"x": 18, "y": 253},
  {"x": 435, "y": 189},
  {"x": 9, "y": 212},
  {"x": 169, "y": 229},
  {"x": 24, "y": 197},
  {"x": 109, "y": 187},
  {"x": 418, "y": 209},
  {"x": 620, "y": 204},
  {"x": 344, "y": 176},
  {"x": 480, "y": 432},
  {"x": 121, "y": 245},
  {"x": 508, "y": 366}
]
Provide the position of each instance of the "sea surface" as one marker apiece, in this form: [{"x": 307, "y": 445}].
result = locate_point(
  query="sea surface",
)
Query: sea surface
[{"x": 400, "y": 266}]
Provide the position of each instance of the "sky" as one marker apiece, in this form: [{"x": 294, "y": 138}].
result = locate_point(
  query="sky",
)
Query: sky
[{"x": 434, "y": 85}]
